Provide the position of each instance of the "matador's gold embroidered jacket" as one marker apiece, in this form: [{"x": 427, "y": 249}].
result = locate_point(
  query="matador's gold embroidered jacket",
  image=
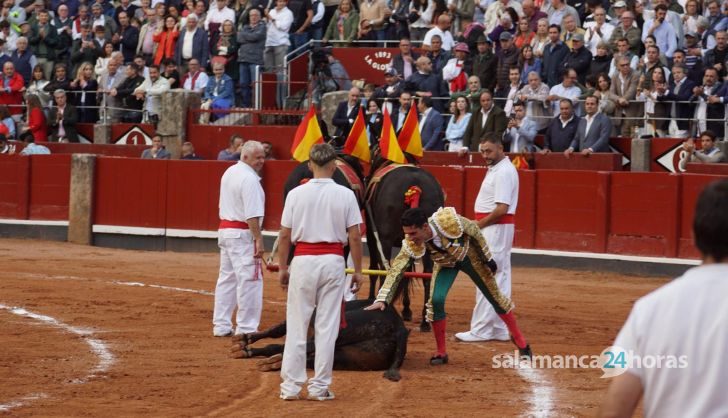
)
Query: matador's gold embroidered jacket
[{"x": 459, "y": 237}]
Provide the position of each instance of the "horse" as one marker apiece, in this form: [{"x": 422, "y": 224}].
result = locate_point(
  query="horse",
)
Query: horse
[
  {"x": 389, "y": 194},
  {"x": 371, "y": 340}
]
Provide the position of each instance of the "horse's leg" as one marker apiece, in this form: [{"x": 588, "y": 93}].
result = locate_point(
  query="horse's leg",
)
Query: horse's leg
[
  {"x": 244, "y": 340},
  {"x": 248, "y": 352},
  {"x": 393, "y": 372},
  {"x": 373, "y": 263},
  {"x": 427, "y": 263}
]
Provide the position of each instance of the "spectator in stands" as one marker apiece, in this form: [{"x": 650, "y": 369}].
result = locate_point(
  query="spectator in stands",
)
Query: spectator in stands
[
  {"x": 693, "y": 63},
  {"x": 673, "y": 19},
  {"x": 679, "y": 90},
  {"x": 541, "y": 40},
  {"x": 62, "y": 119},
  {"x": 7, "y": 124},
  {"x": 171, "y": 73},
  {"x": 302, "y": 11},
  {"x": 710, "y": 98},
  {"x": 570, "y": 30},
  {"x": 592, "y": 134},
  {"x": 425, "y": 83},
  {"x": 624, "y": 87},
  {"x": 662, "y": 31},
  {"x": 554, "y": 55},
  {"x": 85, "y": 49},
  {"x": 60, "y": 80},
  {"x": 346, "y": 113},
  {"x": 277, "y": 42},
  {"x": 157, "y": 151},
  {"x": 473, "y": 93},
  {"x": 623, "y": 51},
  {"x": 23, "y": 60},
  {"x": 343, "y": 27},
  {"x": 533, "y": 14},
  {"x": 579, "y": 58},
  {"x": 708, "y": 154},
  {"x": 441, "y": 29},
  {"x": 31, "y": 148},
  {"x": 217, "y": 15},
  {"x": 151, "y": 92},
  {"x": 718, "y": 56},
  {"x": 224, "y": 49},
  {"x": 165, "y": 37},
  {"x": 431, "y": 123},
  {"x": 4, "y": 57},
  {"x": 607, "y": 99},
  {"x": 566, "y": 90},
  {"x": 109, "y": 82},
  {"x": 657, "y": 112},
  {"x": 44, "y": 41},
  {"x": 127, "y": 7},
  {"x": 373, "y": 120},
  {"x": 505, "y": 97},
  {"x": 126, "y": 38},
  {"x": 84, "y": 89},
  {"x": 251, "y": 38},
  {"x": 11, "y": 92},
  {"x": 562, "y": 129},
  {"x": 188, "y": 152},
  {"x": 557, "y": 10},
  {"x": 220, "y": 91},
  {"x": 485, "y": 66},
  {"x": 10, "y": 36},
  {"x": 101, "y": 36},
  {"x": 404, "y": 62},
  {"x": 496, "y": 10},
  {"x": 627, "y": 30},
  {"x": 422, "y": 12},
  {"x": 398, "y": 118},
  {"x": 534, "y": 95},
  {"x": 528, "y": 63},
  {"x": 399, "y": 21},
  {"x": 488, "y": 120},
  {"x": 597, "y": 31},
  {"x": 457, "y": 124},
  {"x": 36, "y": 125},
  {"x": 268, "y": 150},
  {"x": 195, "y": 79},
  {"x": 520, "y": 131},
  {"x": 37, "y": 85},
  {"x": 454, "y": 72},
  {"x": 192, "y": 44},
  {"x": 524, "y": 34},
  {"x": 133, "y": 105},
  {"x": 438, "y": 56},
  {"x": 601, "y": 62},
  {"x": 505, "y": 25},
  {"x": 507, "y": 58},
  {"x": 232, "y": 153},
  {"x": 387, "y": 96}
]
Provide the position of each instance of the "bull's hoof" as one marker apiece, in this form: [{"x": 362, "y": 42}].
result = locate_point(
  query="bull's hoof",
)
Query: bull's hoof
[
  {"x": 393, "y": 375},
  {"x": 240, "y": 353},
  {"x": 241, "y": 339},
  {"x": 406, "y": 315},
  {"x": 271, "y": 363},
  {"x": 425, "y": 326}
]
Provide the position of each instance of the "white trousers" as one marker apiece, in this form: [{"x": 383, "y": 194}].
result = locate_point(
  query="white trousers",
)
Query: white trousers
[
  {"x": 485, "y": 322},
  {"x": 240, "y": 283},
  {"x": 316, "y": 281}
]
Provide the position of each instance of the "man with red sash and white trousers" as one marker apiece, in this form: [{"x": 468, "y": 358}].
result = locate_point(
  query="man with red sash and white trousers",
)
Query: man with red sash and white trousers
[
  {"x": 240, "y": 283},
  {"x": 319, "y": 217},
  {"x": 495, "y": 209}
]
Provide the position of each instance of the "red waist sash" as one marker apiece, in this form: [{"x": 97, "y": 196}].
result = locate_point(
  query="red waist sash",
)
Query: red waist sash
[
  {"x": 504, "y": 220},
  {"x": 224, "y": 224},
  {"x": 319, "y": 248}
]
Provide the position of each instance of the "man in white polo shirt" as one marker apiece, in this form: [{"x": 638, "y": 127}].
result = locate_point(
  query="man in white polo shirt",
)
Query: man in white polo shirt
[
  {"x": 495, "y": 209},
  {"x": 240, "y": 283},
  {"x": 319, "y": 217}
]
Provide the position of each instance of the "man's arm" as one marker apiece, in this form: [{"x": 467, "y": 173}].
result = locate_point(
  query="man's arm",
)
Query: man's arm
[
  {"x": 284, "y": 245},
  {"x": 399, "y": 265},
  {"x": 254, "y": 225},
  {"x": 622, "y": 397},
  {"x": 354, "y": 235}
]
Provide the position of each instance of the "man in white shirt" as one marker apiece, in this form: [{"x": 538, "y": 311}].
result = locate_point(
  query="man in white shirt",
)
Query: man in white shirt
[
  {"x": 195, "y": 79},
  {"x": 152, "y": 90},
  {"x": 319, "y": 217},
  {"x": 217, "y": 15},
  {"x": 685, "y": 320},
  {"x": 598, "y": 30},
  {"x": 566, "y": 90},
  {"x": 240, "y": 282},
  {"x": 495, "y": 210},
  {"x": 442, "y": 29}
]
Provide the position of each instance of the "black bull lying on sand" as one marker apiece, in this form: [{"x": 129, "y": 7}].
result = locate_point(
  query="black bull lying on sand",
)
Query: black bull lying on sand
[{"x": 372, "y": 340}]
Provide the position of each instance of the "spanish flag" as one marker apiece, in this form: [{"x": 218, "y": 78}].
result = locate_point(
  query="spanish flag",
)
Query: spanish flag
[
  {"x": 409, "y": 137},
  {"x": 307, "y": 135},
  {"x": 388, "y": 144},
  {"x": 357, "y": 144}
]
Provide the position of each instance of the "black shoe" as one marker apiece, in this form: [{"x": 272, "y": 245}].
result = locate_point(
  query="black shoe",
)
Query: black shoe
[
  {"x": 526, "y": 352},
  {"x": 438, "y": 360}
]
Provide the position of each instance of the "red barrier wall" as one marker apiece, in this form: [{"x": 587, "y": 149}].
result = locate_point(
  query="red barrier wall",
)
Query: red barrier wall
[
  {"x": 50, "y": 179},
  {"x": 14, "y": 190},
  {"x": 274, "y": 176},
  {"x": 692, "y": 185},
  {"x": 525, "y": 235},
  {"x": 193, "y": 193},
  {"x": 210, "y": 140},
  {"x": 452, "y": 180}
]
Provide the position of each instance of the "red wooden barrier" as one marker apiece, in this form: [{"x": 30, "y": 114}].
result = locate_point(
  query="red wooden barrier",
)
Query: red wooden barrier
[
  {"x": 644, "y": 209},
  {"x": 274, "y": 176},
  {"x": 692, "y": 185},
  {"x": 50, "y": 179},
  {"x": 577, "y": 161},
  {"x": 452, "y": 181},
  {"x": 525, "y": 236},
  {"x": 111, "y": 150},
  {"x": 209, "y": 140},
  {"x": 193, "y": 193},
  {"x": 572, "y": 210},
  {"x": 473, "y": 179},
  {"x": 130, "y": 192},
  {"x": 720, "y": 169},
  {"x": 14, "y": 190}
]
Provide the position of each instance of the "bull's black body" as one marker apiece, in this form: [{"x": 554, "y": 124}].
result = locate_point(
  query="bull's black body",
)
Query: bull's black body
[{"x": 372, "y": 340}]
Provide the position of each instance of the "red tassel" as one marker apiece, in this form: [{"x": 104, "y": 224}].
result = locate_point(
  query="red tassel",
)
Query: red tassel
[{"x": 342, "y": 321}]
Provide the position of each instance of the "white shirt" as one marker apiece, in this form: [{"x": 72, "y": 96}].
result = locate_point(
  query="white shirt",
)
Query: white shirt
[
  {"x": 200, "y": 82},
  {"x": 153, "y": 91},
  {"x": 215, "y": 15},
  {"x": 308, "y": 204},
  {"x": 241, "y": 194},
  {"x": 187, "y": 42},
  {"x": 572, "y": 93},
  {"x": 500, "y": 185},
  {"x": 277, "y": 33},
  {"x": 565, "y": 122},
  {"x": 686, "y": 317},
  {"x": 424, "y": 118},
  {"x": 592, "y": 38},
  {"x": 589, "y": 120},
  {"x": 448, "y": 42}
]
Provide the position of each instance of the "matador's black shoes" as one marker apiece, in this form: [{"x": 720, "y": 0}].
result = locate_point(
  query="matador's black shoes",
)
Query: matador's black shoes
[{"x": 438, "y": 360}]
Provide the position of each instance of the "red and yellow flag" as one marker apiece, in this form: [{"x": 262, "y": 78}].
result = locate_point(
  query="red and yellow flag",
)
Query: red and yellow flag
[
  {"x": 388, "y": 144},
  {"x": 409, "y": 137},
  {"x": 357, "y": 144},
  {"x": 307, "y": 134},
  {"x": 520, "y": 162}
]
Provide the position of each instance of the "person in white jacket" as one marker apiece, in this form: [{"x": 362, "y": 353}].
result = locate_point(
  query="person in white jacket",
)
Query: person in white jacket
[
  {"x": 151, "y": 90},
  {"x": 453, "y": 72}
]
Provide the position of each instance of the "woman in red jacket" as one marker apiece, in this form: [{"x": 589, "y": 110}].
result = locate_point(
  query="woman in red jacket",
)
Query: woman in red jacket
[
  {"x": 36, "y": 120},
  {"x": 166, "y": 40}
]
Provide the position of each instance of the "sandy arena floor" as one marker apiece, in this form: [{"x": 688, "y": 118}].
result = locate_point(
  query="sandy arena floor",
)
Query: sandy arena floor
[{"x": 81, "y": 336}]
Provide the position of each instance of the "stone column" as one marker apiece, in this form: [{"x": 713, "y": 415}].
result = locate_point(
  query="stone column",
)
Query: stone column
[
  {"x": 80, "y": 204},
  {"x": 641, "y": 154},
  {"x": 173, "y": 118},
  {"x": 102, "y": 133}
]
